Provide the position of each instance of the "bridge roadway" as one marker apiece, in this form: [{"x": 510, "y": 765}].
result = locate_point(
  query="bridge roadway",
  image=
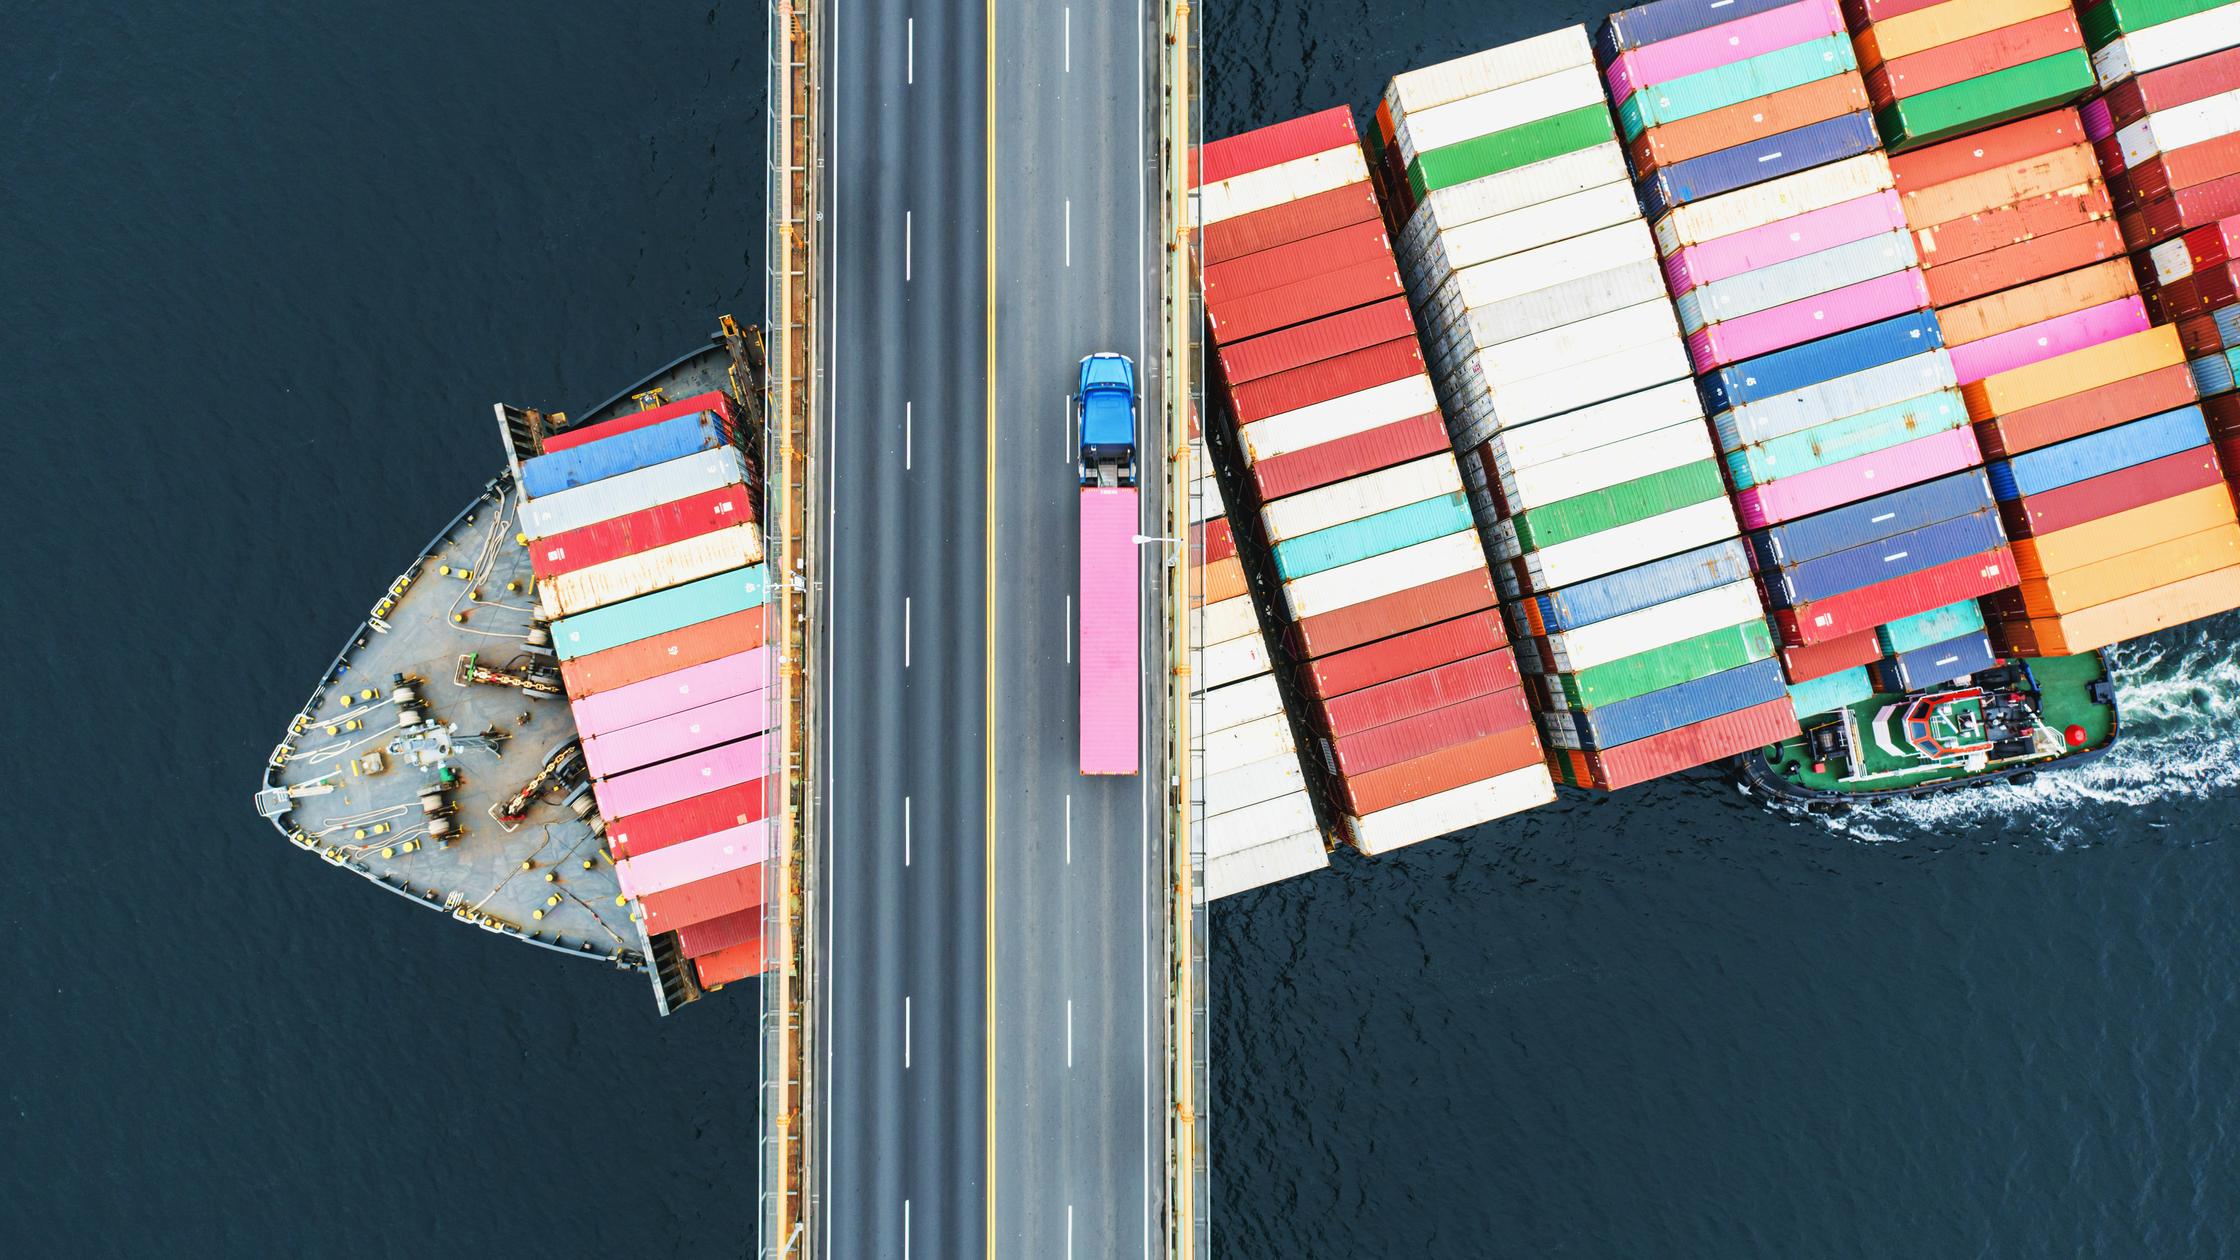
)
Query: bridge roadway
[{"x": 991, "y": 922}]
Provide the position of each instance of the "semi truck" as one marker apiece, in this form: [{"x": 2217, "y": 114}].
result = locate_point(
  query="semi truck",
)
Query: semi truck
[{"x": 1110, "y": 632}]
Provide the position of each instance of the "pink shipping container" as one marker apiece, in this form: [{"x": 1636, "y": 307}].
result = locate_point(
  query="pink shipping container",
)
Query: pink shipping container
[
  {"x": 697, "y": 859},
  {"x": 1111, "y": 669},
  {"x": 1722, "y": 45},
  {"x": 1877, "y": 472},
  {"x": 665, "y": 694},
  {"x": 1783, "y": 240},
  {"x": 1808, "y": 319},
  {"x": 2020, "y": 347},
  {"x": 702, "y": 900},
  {"x": 718, "y": 722},
  {"x": 703, "y": 771}
]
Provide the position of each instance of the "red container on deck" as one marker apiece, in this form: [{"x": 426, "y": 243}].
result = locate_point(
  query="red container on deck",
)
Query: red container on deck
[
  {"x": 2194, "y": 164},
  {"x": 2196, "y": 206},
  {"x": 1296, "y": 347},
  {"x": 1273, "y": 145},
  {"x": 1306, "y": 299},
  {"x": 2005, "y": 145},
  {"x": 689, "y": 819},
  {"x": 2199, "y": 335},
  {"x": 2106, "y": 495},
  {"x": 726, "y": 965},
  {"x": 1943, "y": 65},
  {"x": 1803, "y": 664},
  {"x": 1435, "y": 688},
  {"x": 1963, "y": 240},
  {"x": 1858, "y": 13},
  {"x": 702, "y": 900},
  {"x": 1291, "y": 221},
  {"x": 1424, "y": 733},
  {"x": 1350, "y": 456},
  {"x": 1700, "y": 744},
  {"x": 643, "y": 530},
  {"x": 2078, "y": 246},
  {"x": 1470, "y": 762},
  {"x": 2156, "y": 90},
  {"x": 1343, "y": 673},
  {"x": 1817, "y": 621},
  {"x": 738, "y": 928},
  {"x": 717, "y": 402},
  {"x": 1397, "y": 613},
  {"x": 2088, "y": 412},
  {"x": 1351, "y": 373},
  {"x": 1219, "y": 541},
  {"x": 1290, "y": 263},
  {"x": 637, "y": 661},
  {"x": 2200, "y": 293}
]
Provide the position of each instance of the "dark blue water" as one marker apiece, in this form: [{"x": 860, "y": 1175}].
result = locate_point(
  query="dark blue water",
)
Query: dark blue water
[{"x": 247, "y": 257}]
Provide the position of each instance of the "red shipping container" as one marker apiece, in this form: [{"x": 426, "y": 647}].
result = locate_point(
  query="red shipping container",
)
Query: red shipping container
[
  {"x": 1228, "y": 282},
  {"x": 1422, "y": 733},
  {"x": 2194, "y": 164},
  {"x": 2199, "y": 335},
  {"x": 702, "y": 900},
  {"x": 1344, "y": 673},
  {"x": 1219, "y": 541},
  {"x": 724, "y": 966},
  {"x": 2036, "y": 259},
  {"x": 2002, "y": 227},
  {"x": 1350, "y": 456},
  {"x": 1946, "y": 64},
  {"x": 1725, "y": 736},
  {"x": 635, "y": 835},
  {"x": 716, "y": 934},
  {"x": 2196, "y": 206},
  {"x": 2209, "y": 246},
  {"x": 1332, "y": 378},
  {"x": 1291, "y": 221},
  {"x": 2105, "y": 407},
  {"x": 2222, "y": 411},
  {"x": 1818, "y": 660},
  {"x": 1436, "y": 688},
  {"x": 2106, "y": 495},
  {"x": 2157, "y": 90},
  {"x": 1397, "y": 613},
  {"x": 1297, "y": 347},
  {"x": 580, "y": 548},
  {"x": 1472, "y": 762},
  {"x": 1273, "y": 145},
  {"x": 717, "y": 402},
  {"x": 2200, "y": 293},
  {"x": 696, "y": 644},
  {"x": 2005, "y": 145},
  {"x": 1307, "y": 299},
  {"x": 1817, "y": 621}
]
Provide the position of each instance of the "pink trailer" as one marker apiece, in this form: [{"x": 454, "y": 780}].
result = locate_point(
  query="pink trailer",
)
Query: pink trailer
[
  {"x": 664, "y": 694},
  {"x": 1860, "y": 477},
  {"x": 673, "y": 781},
  {"x": 1111, "y": 664},
  {"x": 2020, "y": 347},
  {"x": 728, "y": 850},
  {"x": 718, "y": 722}
]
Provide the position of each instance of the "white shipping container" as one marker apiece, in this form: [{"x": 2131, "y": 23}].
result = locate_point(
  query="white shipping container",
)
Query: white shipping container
[
  {"x": 1344, "y": 416},
  {"x": 1579, "y": 385},
  {"x": 1659, "y": 625},
  {"x": 1544, "y": 268},
  {"x": 1577, "y": 432},
  {"x": 657, "y": 569},
  {"x": 1238, "y": 659},
  {"x": 1582, "y": 298},
  {"x": 1227, "y": 619},
  {"x": 1247, "y": 743},
  {"x": 1245, "y": 869},
  {"x": 1515, "y": 189},
  {"x": 1240, "y": 702},
  {"x": 1453, "y": 810},
  {"x": 1378, "y": 576},
  {"x": 1793, "y": 412},
  {"x": 2167, "y": 44},
  {"x": 1532, "y": 58},
  {"x": 1519, "y": 230},
  {"x": 1421, "y": 131},
  {"x": 1555, "y": 349},
  {"x": 1795, "y": 280},
  {"x": 1205, "y": 497},
  {"x": 1667, "y": 534},
  {"x": 1776, "y": 199},
  {"x": 1240, "y": 829},
  {"x": 1541, "y": 484},
  {"x": 2179, "y": 126},
  {"x": 633, "y": 491},
  {"x": 1283, "y": 182},
  {"x": 2172, "y": 260},
  {"x": 1352, "y": 499},
  {"x": 1252, "y": 784}
]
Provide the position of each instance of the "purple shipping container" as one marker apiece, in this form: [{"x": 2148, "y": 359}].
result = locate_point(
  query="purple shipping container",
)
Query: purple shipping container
[
  {"x": 1798, "y": 322},
  {"x": 1670, "y": 708},
  {"x": 1646, "y": 24},
  {"x": 1857, "y": 524},
  {"x": 1910, "y": 552},
  {"x": 1854, "y": 479},
  {"x": 1784, "y": 153},
  {"x": 1936, "y": 663}
]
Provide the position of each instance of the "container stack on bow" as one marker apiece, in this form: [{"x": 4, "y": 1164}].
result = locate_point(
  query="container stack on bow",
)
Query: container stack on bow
[
  {"x": 643, "y": 542},
  {"x": 1938, "y": 68},
  {"x": 1832, "y": 399},
  {"x": 1565, "y": 384},
  {"x": 1346, "y": 501}
]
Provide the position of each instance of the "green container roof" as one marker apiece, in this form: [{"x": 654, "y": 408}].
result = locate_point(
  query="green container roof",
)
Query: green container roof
[
  {"x": 1715, "y": 652},
  {"x": 1986, "y": 99},
  {"x": 2105, "y": 22},
  {"x": 1498, "y": 151},
  {"x": 1621, "y": 504}
]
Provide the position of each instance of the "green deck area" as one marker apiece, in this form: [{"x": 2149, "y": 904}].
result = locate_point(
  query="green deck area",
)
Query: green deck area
[{"x": 2064, "y": 683}]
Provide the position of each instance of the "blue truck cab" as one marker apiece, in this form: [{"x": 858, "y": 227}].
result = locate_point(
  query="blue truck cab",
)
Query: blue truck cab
[{"x": 1105, "y": 414}]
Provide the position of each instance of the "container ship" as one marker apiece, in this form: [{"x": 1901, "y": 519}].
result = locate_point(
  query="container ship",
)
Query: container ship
[
  {"x": 1809, "y": 390},
  {"x": 550, "y": 725}
]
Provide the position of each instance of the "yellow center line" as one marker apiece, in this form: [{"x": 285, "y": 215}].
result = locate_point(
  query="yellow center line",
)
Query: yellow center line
[{"x": 988, "y": 860}]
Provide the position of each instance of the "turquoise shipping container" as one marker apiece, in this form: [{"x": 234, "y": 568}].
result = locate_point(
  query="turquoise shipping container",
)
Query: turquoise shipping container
[
  {"x": 659, "y": 613},
  {"x": 1736, "y": 82},
  {"x": 1848, "y": 438},
  {"x": 1830, "y": 692},
  {"x": 1937, "y": 625},
  {"x": 1372, "y": 535}
]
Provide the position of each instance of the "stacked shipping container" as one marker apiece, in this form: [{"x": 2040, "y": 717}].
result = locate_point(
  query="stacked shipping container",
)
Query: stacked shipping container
[
  {"x": 1946, "y": 68},
  {"x": 1348, "y": 497},
  {"x": 1564, "y": 380},
  {"x": 1833, "y": 404},
  {"x": 643, "y": 541}
]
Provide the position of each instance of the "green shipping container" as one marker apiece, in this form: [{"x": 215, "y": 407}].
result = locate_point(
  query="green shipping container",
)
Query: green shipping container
[
  {"x": 1986, "y": 99},
  {"x": 1373, "y": 535},
  {"x": 1735, "y": 82},
  {"x": 1621, "y": 504},
  {"x": 658, "y": 613},
  {"x": 2103, "y": 23},
  {"x": 1852, "y": 436},
  {"x": 1714, "y": 653},
  {"x": 1498, "y": 151},
  {"x": 1938, "y": 625}
]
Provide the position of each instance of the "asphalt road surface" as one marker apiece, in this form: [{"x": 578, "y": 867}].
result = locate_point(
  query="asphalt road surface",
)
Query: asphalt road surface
[{"x": 990, "y": 923}]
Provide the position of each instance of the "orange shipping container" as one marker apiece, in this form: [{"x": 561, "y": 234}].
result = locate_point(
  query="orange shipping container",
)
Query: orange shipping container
[
  {"x": 2072, "y": 373},
  {"x": 2188, "y": 600},
  {"x": 1909, "y": 33},
  {"x": 2087, "y": 412},
  {"x": 1441, "y": 771},
  {"x": 2002, "y": 145},
  {"x": 2074, "y": 168},
  {"x": 2112, "y": 536},
  {"x": 2036, "y": 302},
  {"x": 1745, "y": 121},
  {"x": 2002, "y": 226},
  {"x": 2146, "y": 569},
  {"x": 2079, "y": 246},
  {"x": 1224, "y": 580}
]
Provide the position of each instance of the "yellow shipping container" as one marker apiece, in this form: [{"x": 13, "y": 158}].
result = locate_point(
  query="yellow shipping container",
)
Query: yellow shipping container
[
  {"x": 1944, "y": 23},
  {"x": 2111, "y": 536},
  {"x": 2126, "y": 618},
  {"x": 2073, "y": 373},
  {"x": 2133, "y": 572}
]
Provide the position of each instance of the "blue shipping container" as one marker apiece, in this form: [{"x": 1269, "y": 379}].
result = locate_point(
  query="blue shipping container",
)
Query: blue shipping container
[
  {"x": 1830, "y": 692},
  {"x": 1699, "y": 700},
  {"x": 1650, "y": 23},
  {"x": 1372, "y": 535},
  {"x": 2097, "y": 454},
  {"x": 658, "y": 613},
  {"x": 1848, "y": 438},
  {"x": 2228, "y": 325},
  {"x": 2212, "y": 374},
  {"x": 1644, "y": 586},
  {"x": 1847, "y": 395},
  {"x": 1798, "y": 367},
  {"x": 674, "y": 438},
  {"x": 1934, "y": 626},
  {"x": 1936, "y": 663},
  {"x": 1830, "y": 140},
  {"x": 1856, "y": 524},
  {"x": 1884, "y": 559}
]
